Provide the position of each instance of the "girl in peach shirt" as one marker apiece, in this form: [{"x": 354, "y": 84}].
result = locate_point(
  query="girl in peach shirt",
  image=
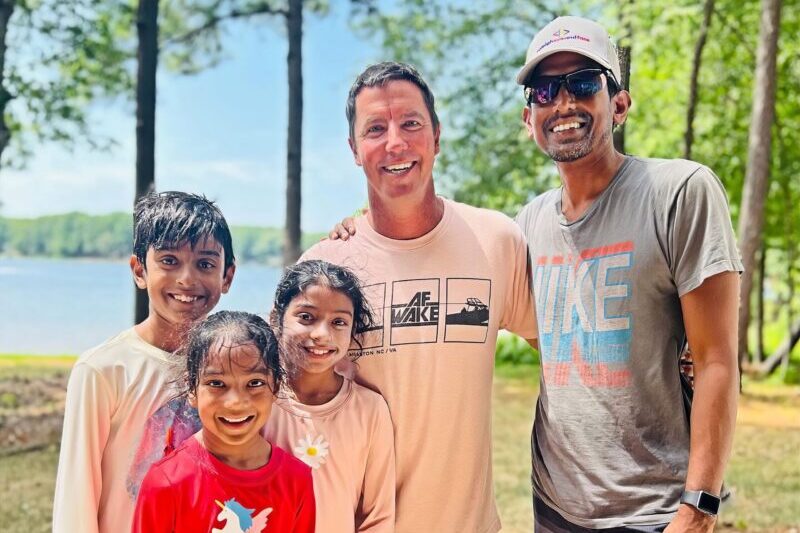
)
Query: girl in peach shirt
[{"x": 342, "y": 430}]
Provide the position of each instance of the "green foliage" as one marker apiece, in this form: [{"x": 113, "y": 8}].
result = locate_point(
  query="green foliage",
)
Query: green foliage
[
  {"x": 514, "y": 350},
  {"x": 471, "y": 53},
  {"x": 192, "y": 31},
  {"x": 60, "y": 56},
  {"x": 78, "y": 235},
  {"x": 9, "y": 400}
]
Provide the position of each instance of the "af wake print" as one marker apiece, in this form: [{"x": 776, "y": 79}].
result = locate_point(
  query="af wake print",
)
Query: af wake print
[{"x": 414, "y": 311}]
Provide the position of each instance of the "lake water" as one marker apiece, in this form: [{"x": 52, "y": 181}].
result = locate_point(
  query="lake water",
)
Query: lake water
[{"x": 66, "y": 306}]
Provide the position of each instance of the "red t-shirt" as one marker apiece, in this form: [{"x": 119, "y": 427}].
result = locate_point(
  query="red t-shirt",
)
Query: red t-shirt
[{"x": 192, "y": 491}]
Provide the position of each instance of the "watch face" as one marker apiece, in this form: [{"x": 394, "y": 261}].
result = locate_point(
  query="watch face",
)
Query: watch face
[{"x": 708, "y": 503}]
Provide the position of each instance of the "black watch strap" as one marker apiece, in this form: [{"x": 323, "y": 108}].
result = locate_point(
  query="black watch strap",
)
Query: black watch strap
[{"x": 702, "y": 500}]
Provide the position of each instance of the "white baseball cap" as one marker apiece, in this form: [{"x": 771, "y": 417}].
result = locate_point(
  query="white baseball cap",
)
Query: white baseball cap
[{"x": 572, "y": 34}]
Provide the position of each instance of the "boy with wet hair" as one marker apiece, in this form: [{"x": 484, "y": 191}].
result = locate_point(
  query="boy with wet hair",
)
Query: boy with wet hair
[{"x": 122, "y": 413}]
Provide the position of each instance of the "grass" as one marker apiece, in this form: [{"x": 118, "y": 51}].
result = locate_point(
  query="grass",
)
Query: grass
[
  {"x": 26, "y": 490},
  {"x": 764, "y": 471},
  {"x": 34, "y": 366}
]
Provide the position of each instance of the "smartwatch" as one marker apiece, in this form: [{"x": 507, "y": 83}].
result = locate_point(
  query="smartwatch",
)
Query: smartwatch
[{"x": 701, "y": 500}]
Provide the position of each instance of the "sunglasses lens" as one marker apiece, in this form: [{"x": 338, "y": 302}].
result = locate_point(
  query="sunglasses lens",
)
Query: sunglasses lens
[
  {"x": 544, "y": 91},
  {"x": 580, "y": 84},
  {"x": 584, "y": 84}
]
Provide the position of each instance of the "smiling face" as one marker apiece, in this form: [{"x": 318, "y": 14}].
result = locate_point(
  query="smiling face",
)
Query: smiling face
[
  {"x": 394, "y": 141},
  {"x": 234, "y": 400},
  {"x": 183, "y": 283},
  {"x": 569, "y": 128},
  {"x": 316, "y": 329}
]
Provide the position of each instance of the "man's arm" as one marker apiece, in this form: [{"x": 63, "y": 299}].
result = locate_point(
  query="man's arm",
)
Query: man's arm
[{"x": 710, "y": 317}]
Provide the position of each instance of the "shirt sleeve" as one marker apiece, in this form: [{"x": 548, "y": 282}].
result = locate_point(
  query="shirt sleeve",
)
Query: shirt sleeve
[
  {"x": 307, "y": 508},
  {"x": 519, "y": 315},
  {"x": 701, "y": 239},
  {"x": 376, "y": 507},
  {"x": 87, "y": 422},
  {"x": 155, "y": 506}
]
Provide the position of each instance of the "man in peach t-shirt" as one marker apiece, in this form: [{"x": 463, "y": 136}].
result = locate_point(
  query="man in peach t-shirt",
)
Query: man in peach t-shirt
[{"x": 442, "y": 278}]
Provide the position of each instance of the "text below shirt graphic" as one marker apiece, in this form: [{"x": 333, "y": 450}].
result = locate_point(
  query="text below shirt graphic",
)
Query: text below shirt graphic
[
  {"x": 415, "y": 311},
  {"x": 467, "y": 310},
  {"x": 583, "y": 303}
]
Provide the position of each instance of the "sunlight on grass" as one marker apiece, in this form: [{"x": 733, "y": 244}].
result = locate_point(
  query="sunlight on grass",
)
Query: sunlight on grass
[{"x": 764, "y": 472}]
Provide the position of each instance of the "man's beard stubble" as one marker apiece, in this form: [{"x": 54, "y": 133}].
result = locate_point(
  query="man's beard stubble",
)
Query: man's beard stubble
[{"x": 579, "y": 149}]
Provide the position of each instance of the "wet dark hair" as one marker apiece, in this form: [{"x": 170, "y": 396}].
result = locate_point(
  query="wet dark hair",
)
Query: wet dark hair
[
  {"x": 378, "y": 75},
  {"x": 165, "y": 220},
  {"x": 229, "y": 329},
  {"x": 299, "y": 277}
]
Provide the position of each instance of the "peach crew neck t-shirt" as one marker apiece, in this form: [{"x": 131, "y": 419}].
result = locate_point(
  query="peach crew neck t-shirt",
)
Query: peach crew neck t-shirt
[{"x": 440, "y": 300}]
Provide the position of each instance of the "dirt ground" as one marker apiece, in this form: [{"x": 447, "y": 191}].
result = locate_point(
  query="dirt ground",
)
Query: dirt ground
[
  {"x": 764, "y": 471},
  {"x": 31, "y": 411}
]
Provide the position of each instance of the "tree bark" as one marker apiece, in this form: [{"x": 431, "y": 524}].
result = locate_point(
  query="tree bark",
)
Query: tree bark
[
  {"x": 147, "y": 55},
  {"x": 624, "y": 54},
  {"x": 691, "y": 109},
  {"x": 782, "y": 352},
  {"x": 6, "y": 10},
  {"x": 625, "y": 67},
  {"x": 294, "y": 60},
  {"x": 751, "y": 217},
  {"x": 758, "y": 356}
]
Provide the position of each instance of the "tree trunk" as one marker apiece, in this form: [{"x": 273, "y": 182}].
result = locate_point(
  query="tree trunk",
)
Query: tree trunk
[
  {"x": 147, "y": 27},
  {"x": 758, "y": 356},
  {"x": 625, "y": 67},
  {"x": 751, "y": 217},
  {"x": 624, "y": 53},
  {"x": 783, "y": 351},
  {"x": 688, "y": 137},
  {"x": 294, "y": 60},
  {"x": 6, "y": 10}
]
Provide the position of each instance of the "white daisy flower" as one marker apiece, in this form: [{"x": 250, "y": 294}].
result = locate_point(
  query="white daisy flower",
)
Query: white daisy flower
[{"x": 312, "y": 452}]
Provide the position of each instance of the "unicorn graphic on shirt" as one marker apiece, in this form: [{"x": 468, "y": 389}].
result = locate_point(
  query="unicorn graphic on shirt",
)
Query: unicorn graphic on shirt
[{"x": 238, "y": 519}]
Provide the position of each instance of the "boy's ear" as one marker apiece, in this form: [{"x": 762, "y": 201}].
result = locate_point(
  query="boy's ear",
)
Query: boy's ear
[
  {"x": 138, "y": 271},
  {"x": 227, "y": 279},
  {"x": 192, "y": 397}
]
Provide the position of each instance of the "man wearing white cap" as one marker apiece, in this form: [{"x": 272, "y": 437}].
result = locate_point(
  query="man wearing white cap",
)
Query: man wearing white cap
[{"x": 631, "y": 258}]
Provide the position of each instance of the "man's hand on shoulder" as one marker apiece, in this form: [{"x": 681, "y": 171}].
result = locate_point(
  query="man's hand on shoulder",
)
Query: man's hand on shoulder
[
  {"x": 346, "y": 228},
  {"x": 688, "y": 519},
  {"x": 343, "y": 230}
]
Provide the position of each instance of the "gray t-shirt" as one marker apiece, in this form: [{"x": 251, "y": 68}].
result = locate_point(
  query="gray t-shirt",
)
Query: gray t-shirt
[{"x": 611, "y": 437}]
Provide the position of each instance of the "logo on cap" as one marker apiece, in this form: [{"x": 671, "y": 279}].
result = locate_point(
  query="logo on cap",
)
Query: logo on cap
[{"x": 560, "y": 33}]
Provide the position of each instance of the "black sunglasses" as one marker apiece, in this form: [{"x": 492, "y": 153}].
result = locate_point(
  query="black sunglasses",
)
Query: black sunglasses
[{"x": 580, "y": 84}]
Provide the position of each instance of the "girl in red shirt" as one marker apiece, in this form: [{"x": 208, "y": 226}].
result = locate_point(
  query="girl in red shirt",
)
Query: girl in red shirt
[{"x": 228, "y": 478}]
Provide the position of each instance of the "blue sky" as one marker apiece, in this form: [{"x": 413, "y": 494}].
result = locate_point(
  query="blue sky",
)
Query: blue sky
[{"x": 221, "y": 133}]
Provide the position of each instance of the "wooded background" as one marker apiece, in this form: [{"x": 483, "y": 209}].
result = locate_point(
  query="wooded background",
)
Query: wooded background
[{"x": 715, "y": 81}]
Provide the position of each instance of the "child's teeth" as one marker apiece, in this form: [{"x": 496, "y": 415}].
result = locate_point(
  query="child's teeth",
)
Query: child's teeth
[
  {"x": 182, "y": 298},
  {"x": 236, "y": 420}
]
